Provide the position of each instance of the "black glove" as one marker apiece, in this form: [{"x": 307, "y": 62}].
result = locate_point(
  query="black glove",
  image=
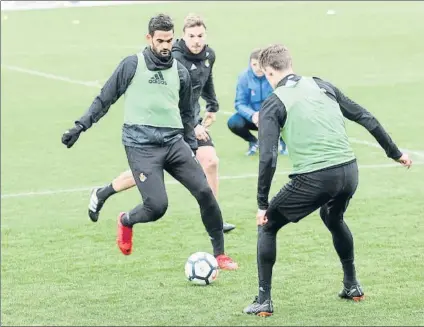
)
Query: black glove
[{"x": 72, "y": 135}]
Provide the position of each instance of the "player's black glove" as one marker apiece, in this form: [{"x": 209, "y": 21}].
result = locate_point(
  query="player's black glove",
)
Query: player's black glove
[{"x": 72, "y": 135}]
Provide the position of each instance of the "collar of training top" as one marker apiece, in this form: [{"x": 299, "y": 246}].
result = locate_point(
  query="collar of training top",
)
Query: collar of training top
[
  {"x": 293, "y": 77},
  {"x": 181, "y": 46},
  {"x": 154, "y": 62}
]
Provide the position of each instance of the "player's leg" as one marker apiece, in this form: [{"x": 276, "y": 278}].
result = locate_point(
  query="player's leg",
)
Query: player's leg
[
  {"x": 296, "y": 200},
  {"x": 208, "y": 159},
  {"x": 242, "y": 127},
  {"x": 147, "y": 168},
  {"x": 332, "y": 215},
  {"x": 182, "y": 164},
  {"x": 99, "y": 196}
]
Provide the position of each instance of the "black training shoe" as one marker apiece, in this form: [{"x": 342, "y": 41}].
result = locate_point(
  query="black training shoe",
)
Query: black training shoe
[
  {"x": 95, "y": 205},
  {"x": 354, "y": 293},
  {"x": 228, "y": 227},
  {"x": 265, "y": 309}
]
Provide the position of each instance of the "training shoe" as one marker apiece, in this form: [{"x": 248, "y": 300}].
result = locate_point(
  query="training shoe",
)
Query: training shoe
[
  {"x": 253, "y": 148},
  {"x": 228, "y": 227},
  {"x": 95, "y": 205},
  {"x": 226, "y": 263},
  {"x": 354, "y": 293},
  {"x": 124, "y": 237},
  {"x": 265, "y": 309}
]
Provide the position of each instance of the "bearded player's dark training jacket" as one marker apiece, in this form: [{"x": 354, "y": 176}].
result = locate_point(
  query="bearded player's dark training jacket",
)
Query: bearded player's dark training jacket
[{"x": 138, "y": 135}]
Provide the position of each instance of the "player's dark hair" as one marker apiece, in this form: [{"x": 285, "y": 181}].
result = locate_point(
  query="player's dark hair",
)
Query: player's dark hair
[
  {"x": 160, "y": 22},
  {"x": 255, "y": 54}
]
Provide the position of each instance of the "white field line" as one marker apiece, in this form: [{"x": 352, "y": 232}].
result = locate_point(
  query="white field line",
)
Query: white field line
[
  {"x": 42, "y": 5},
  {"x": 173, "y": 182},
  {"x": 52, "y": 76}
]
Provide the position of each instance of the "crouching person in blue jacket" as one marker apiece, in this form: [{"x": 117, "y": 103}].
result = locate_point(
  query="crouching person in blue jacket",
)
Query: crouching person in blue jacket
[{"x": 252, "y": 89}]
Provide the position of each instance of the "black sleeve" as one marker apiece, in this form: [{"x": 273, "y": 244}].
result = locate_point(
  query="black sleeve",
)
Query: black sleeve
[
  {"x": 354, "y": 112},
  {"x": 186, "y": 107},
  {"x": 272, "y": 117},
  {"x": 208, "y": 91},
  {"x": 115, "y": 86}
]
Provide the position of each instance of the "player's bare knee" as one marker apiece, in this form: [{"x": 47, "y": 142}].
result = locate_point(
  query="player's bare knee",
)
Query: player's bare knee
[{"x": 210, "y": 164}]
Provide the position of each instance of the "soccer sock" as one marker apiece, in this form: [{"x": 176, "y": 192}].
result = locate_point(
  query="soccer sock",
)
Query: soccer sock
[
  {"x": 266, "y": 256},
  {"x": 125, "y": 220},
  {"x": 217, "y": 240},
  {"x": 212, "y": 220},
  {"x": 105, "y": 192},
  {"x": 349, "y": 278},
  {"x": 343, "y": 243}
]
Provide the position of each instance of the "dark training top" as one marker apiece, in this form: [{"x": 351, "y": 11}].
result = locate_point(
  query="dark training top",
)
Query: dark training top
[
  {"x": 273, "y": 115},
  {"x": 116, "y": 86},
  {"x": 200, "y": 68}
]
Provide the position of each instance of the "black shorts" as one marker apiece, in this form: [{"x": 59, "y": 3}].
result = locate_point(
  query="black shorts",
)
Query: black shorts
[
  {"x": 205, "y": 143},
  {"x": 330, "y": 189}
]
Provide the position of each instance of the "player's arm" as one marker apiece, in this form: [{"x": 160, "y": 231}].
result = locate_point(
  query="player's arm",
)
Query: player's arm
[
  {"x": 355, "y": 112},
  {"x": 186, "y": 107},
  {"x": 208, "y": 92},
  {"x": 242, "y": 101},
  {"x": 112, "y": 90},
  {"x": 272, "y": 117}
]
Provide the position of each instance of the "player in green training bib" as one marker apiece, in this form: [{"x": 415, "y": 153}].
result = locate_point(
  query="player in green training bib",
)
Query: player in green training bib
[
  {"x": 195, "y": 55},
  {"x": 309, "y": 114},
  {"x": 158, "y": 135}
]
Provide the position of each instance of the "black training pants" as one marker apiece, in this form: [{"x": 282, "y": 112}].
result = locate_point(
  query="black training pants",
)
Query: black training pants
[
  {"x": 148, "y": 164},
  {"x": 330, "y": 190}
]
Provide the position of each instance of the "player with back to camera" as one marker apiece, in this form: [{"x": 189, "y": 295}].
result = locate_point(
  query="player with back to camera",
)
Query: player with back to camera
[{"x": 309, "y": 113}]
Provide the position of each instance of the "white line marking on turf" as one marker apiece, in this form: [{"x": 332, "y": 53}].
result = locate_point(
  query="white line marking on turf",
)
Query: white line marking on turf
[
  {"x": 52, "y": 76},
  {"x": 376, "y": 145},
  {"x": 174, "y": 182}
]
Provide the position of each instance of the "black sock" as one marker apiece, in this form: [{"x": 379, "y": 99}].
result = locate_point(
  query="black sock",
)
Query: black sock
[
  {"x": 105, "y": 192},
  {"x": 217, "y": 240},
  {"x": 125, "y": 220},
  {"x": 343, "y": 243},
  {"x": 349, "y": 271},
  {"x": 266, "y": 256}
]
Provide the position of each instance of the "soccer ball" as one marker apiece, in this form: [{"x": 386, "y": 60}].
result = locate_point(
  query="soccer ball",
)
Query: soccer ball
[{"x": 201, "y": 268}]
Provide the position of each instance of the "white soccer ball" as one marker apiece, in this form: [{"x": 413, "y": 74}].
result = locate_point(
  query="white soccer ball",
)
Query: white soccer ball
[{"x": 201, "y": 268}]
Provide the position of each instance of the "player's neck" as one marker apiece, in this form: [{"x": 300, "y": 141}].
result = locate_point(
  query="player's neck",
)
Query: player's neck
[{"x": 284, "y": 73}]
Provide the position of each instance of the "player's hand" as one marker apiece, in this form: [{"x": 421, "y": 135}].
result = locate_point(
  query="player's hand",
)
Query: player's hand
[
  {"x": 255, "y": 118},
  {"x": 201, "y": 133},
  {"x": 261, "y": 218},
  {"x": 210, "y": 118},
  {"x": 405, "y": 161},
  {"x": 71, "y": 136}
]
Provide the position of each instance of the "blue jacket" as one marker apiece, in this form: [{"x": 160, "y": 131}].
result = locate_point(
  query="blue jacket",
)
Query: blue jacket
[{"x": 251, "y": 92}]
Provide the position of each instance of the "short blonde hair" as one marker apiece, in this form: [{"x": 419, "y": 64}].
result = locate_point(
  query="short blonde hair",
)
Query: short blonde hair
[
  {"x": 193, "y": 20},
  {"x": 276, "y": 56}
]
